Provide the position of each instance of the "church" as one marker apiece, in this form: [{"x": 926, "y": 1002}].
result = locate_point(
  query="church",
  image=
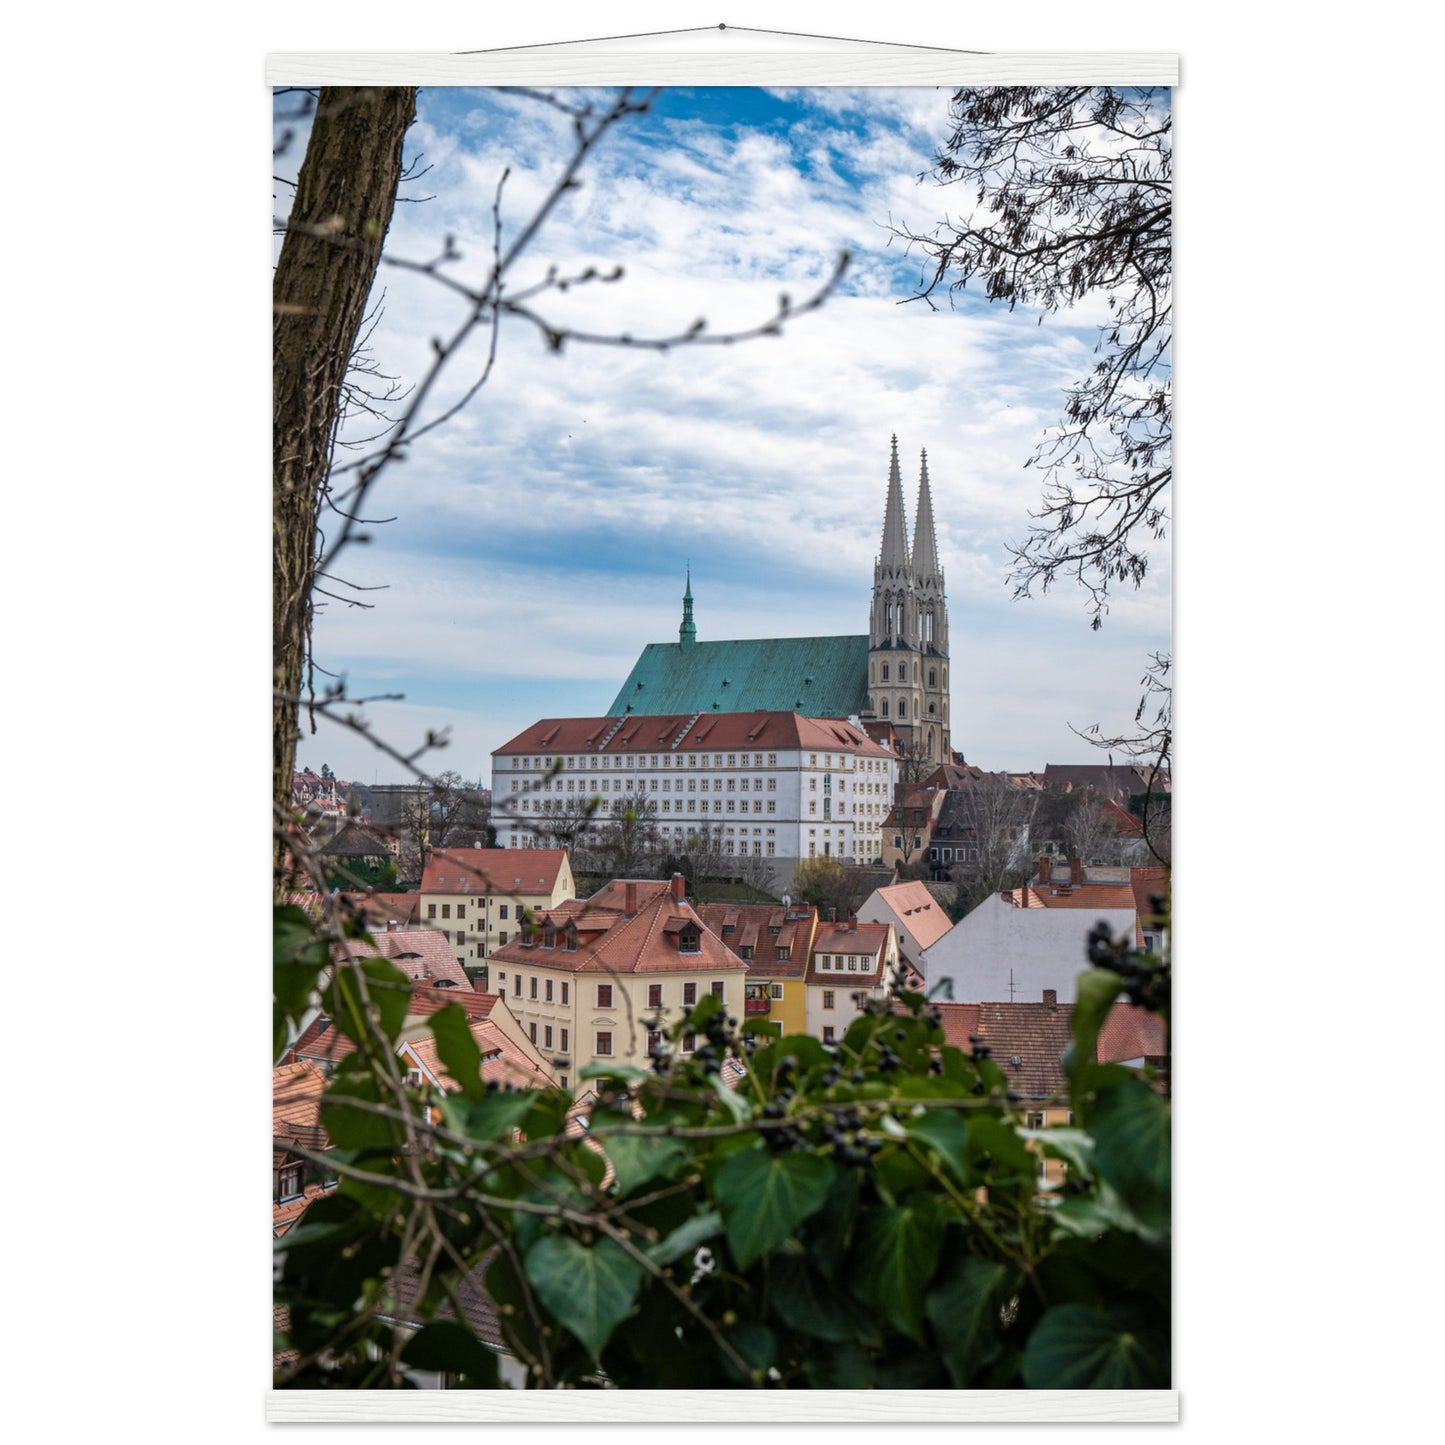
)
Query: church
[{"x": 894, "y": 677}]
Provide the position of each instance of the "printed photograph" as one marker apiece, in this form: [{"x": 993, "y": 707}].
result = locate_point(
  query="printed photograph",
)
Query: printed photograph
[{"x": 722, "y": 738}]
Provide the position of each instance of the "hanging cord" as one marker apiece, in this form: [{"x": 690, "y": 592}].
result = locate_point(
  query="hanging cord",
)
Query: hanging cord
[{"x": 740, "y": 29}]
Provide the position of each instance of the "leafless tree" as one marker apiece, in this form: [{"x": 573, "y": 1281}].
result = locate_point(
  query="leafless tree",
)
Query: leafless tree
[
  {"x": 991, "y": 819},
  {"x": 333, "y": 238}
]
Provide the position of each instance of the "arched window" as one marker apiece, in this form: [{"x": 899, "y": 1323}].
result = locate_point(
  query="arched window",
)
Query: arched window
[
  {"x": 902, "y": 707},
  {"x": 885, "y": 672},
  {"x": 933, "y": 677},
  {"x": 885, "y": 707}
]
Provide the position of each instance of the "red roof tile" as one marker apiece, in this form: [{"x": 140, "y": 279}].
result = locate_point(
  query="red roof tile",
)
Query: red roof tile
[
  {"x": 684, "y": 732},
  {"x": 743, "y": 926},
  {"x": 920, "y": 912},
  {"x": 642, "y": 943},
  {"x": 493, "y": 870}
]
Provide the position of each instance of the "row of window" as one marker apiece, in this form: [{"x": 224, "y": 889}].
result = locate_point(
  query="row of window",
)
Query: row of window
[
  {"x": 563, "y": 1045},
  {"x": 604, "y": 991},
  {"x": 431, "y": 909},
  {"x": 846, "y": 962},
  {"x": 674, "y": 760}
]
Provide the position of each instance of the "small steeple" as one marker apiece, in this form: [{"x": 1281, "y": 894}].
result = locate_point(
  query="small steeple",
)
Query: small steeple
[
  {"x": 894, "y": 552},
  {"x": 925, "y": 550},
  {"x": 687, "y": 633}
]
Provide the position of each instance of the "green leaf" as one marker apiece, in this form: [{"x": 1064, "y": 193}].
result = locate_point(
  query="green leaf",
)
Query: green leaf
[
  {"x": 354, "y": 1128},
  {"x": 1097, "y": 990},
  {"x": 387, "y": 988},
  {"x": 894, "y": 1257},
  {"x": 1076, "y": 1348},
  {"x": 963, "y": 1308},
  {"x": 687, "y": 1238},
  {"x": 587, "y": 1288},
  {"x": 454, "y": 1350},
  {"x": 947, "y": 1135},
  {"x": 805, "y": 1302},
  {"x": 764, "y": 1197},
  {"x": 995, "y": 1144},
  {"x": 497, "y": 1115},
  {"x": 457, "y": 1049},
  {"x": 1130, "y": 1125},
  {"x": 636, "y": 1158}
]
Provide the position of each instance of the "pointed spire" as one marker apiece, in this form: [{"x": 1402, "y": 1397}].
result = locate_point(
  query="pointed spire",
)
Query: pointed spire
[
  {"x": 687, "y": 633},
  {"x": 925, "y": 550},
  {"x": 894, "y": 552}
]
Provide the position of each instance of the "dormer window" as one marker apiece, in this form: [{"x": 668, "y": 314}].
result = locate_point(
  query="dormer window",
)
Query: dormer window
[
  {"x": 784, "y": 954},
  {"x": 689, "y": 939},
  {"x": 289, "y": 1182},
  {"x": 549, "y": 936},
  {"x": 569, "y": 938}
]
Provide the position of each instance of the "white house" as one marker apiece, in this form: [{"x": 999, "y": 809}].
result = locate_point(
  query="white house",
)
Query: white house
[{"x": 1003, "y": 951}]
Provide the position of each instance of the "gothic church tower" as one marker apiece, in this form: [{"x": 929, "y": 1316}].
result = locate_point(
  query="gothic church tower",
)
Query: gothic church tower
[{"x": 908, "y": 629}]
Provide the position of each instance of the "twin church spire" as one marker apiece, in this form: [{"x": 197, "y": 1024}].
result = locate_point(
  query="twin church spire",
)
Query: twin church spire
[{"x": 908, "y": 625}]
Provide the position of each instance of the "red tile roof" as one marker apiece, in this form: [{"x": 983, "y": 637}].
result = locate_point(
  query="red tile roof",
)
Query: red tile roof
[
  {"x": 687, "y": 732},
  {"x": 1131, "y": 1033},
  {"x": 866, "y": 938},
  {"x": 644, "y": 943},
  {"x": 919, "y": 911},
  {"x": 1084, "y": 895},
  {"x": 296, "y": 1091},
  {"x": 493, "y": 870},
  {"x": 1036, "y": 1034},
  {"x": 422, "y": 954},
  {"x": 750, "y": 926}
]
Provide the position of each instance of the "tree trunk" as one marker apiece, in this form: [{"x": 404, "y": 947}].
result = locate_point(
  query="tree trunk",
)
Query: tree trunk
[{"x": 343, "y": 204}]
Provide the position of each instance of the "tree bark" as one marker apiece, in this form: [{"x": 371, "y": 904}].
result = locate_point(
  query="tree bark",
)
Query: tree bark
[{"x": 344, "y": 198}]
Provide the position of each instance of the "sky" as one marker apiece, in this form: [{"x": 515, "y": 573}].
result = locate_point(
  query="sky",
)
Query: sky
[{"x": 541, "y": 537}]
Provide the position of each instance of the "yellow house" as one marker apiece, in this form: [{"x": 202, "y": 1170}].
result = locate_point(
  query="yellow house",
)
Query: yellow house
[
  {"x": 479, "y": 896},
  {"x": 774, "y": 941}
]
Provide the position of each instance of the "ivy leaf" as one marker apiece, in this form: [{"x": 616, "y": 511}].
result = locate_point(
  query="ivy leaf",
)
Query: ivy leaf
[
  {"x": 495, "y": 1116},
  {"x": 894, "y": 1257},
  {"x": 805, "y": 1302},
  {"x": 588, "y": 1288},
  {"x": 963, "y": 1308},
  {"x": 686, "y": 1239},
  {"x": 947, "y": 1135},
  {"x": 764, "y": 1197},
  {"x": 1076, "y": 1348},
  {"x": 1097, "y": 990},
  {"x": 636, "y": 1158},
  {"x": 1130, "y": 1125},
  {"x": 387, "y": 988},
  {"x": 457, "y": 1049},
  {"x": 454, "y": 1350}
]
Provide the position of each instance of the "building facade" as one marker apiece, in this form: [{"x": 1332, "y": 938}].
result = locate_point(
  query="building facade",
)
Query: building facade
[
  {"x": 478, "y": 897},
  {"x": 773, "y": 786},
  {"x": 601, "y": 980}
]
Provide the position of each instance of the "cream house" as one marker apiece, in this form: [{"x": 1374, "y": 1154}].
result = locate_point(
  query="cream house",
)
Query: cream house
[
  {"x": 479, "y": 896},
  {"x": 852, "y": 963},
  {"x": 602, "y": 980}
]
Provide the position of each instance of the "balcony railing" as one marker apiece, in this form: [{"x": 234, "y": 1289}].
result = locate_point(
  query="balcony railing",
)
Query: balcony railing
[{"x": 758, "y": 1005}]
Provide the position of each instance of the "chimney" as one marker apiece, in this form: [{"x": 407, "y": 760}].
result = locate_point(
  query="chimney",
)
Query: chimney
[
  {"x": 631, "y": 899},
  {"x": 1076, "y": 871},
  {"x": 391, "y": 925},
  {"x": 852, "y": 922},
  {"x": 832, "y": 915},
  {"x": 679, "y": 887},
  {"x": 1051, "y": 998},
  {"x": 1046, "y": 868}
]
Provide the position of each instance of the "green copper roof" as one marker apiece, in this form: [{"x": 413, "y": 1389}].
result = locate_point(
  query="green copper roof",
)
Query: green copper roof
[{"x": 814, "y": 676}]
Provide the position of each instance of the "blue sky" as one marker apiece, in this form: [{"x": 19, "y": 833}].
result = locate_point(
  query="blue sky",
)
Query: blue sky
[{"x": 541, "y": 536}]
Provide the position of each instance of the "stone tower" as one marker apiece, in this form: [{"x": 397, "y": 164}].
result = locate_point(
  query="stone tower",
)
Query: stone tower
[{"x": 908, "y": 628}]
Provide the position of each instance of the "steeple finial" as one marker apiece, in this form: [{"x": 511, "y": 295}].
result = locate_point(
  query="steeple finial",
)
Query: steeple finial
[
  {"x": 925, "y": 549},
  {"x": 894, "y": 551},
  {"x": 687, "y": 633}
]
